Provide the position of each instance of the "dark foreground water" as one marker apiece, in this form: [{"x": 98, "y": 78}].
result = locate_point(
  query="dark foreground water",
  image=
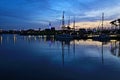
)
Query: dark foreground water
[{"x": 37, "y": 58}]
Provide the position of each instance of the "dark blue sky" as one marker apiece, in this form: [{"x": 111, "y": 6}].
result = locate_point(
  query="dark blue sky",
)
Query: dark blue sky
[{"x": 22, "y": 14}]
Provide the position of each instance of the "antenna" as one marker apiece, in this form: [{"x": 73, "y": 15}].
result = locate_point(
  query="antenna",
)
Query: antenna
[
  {"x": 69, "y": 21},
  {"x": 102, "y": 20},
  {"x": 74, "y": 23},
  {"x": 63, "y": 22}
]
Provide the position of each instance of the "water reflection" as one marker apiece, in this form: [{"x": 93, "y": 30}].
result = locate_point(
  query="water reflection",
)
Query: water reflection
[
  {"x": 45, "y": 54},
  {"x": 14, "y": 39},
  {"x": 115, "y": 48},
  {"x": 64, "y": 44},
  {"x": 74, "y": 47},
  {"x": 1, "y": 39},
  {"x": 102, "y": 53},
  {"x": 63, "y": 53},
  {"x": 68, "y": 46}
]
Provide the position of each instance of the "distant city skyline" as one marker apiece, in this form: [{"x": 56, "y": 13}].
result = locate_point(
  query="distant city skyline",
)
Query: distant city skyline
[{"x": 25, "y": 14}]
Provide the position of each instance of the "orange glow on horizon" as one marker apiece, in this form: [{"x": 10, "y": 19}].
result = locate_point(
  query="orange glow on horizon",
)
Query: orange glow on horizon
[{"x": 89, "y": 24}]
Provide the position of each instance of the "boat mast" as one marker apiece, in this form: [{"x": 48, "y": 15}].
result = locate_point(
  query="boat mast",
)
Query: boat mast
[
  {"x": 102, "y": 21},
  {"x": 102, "y": 42},
  {"x": 69, "y": 22},
  {"x": 74, "y": 24},
  {"x": 63, "y": 22}
]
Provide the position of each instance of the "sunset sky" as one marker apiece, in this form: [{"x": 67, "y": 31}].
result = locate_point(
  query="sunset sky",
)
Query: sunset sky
[{"x": 24, "y": 14}]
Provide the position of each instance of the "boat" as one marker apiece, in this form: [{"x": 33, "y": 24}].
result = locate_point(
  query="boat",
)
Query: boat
[
  {"x": 102, "y": 37},
  {"x": 63, "y": 37}
]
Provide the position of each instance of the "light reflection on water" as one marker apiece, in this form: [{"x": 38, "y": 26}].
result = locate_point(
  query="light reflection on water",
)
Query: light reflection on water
[
  {"x": 1, "y": 39},
  {"x": 75, "y": 59}
]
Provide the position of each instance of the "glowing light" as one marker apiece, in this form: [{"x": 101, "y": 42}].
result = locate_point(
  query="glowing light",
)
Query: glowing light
[
  {"x": 113, "y": 35},
  {"x": 113, "y": 40},
  {"x": 29, "y": 36}
]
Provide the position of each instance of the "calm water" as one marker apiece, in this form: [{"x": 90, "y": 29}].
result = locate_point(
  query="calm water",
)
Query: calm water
[{"x": 38, "y": 58}]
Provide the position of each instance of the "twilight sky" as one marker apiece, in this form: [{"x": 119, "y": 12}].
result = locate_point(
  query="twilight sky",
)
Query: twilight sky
[{"x": 24, "y": 14}]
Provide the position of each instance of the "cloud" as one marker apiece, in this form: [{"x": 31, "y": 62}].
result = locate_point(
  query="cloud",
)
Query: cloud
[{"x": 15, "y": 12}]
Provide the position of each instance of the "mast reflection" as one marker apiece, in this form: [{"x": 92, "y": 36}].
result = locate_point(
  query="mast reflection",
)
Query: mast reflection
[
  {"x": 62, "y": 53},
  {"x": 74, "y": 47},
  {"x": 102, "y": 53},
  {"x": 64, "y": 43},
  {"x": 115, "y": 48}
]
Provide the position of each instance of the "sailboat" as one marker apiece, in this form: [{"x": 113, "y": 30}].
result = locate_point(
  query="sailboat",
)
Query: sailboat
[
  {"x": 74, "y": 34},
  {"x": 102, "y": 37},
  {"x": 64, "y": 35}
]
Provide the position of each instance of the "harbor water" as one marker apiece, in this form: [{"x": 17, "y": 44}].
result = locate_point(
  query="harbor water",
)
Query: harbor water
[{"x": 44, "y": 58}]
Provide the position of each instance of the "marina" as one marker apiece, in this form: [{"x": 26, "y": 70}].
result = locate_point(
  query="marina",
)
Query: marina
[{"x": 59, "y": 39}]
